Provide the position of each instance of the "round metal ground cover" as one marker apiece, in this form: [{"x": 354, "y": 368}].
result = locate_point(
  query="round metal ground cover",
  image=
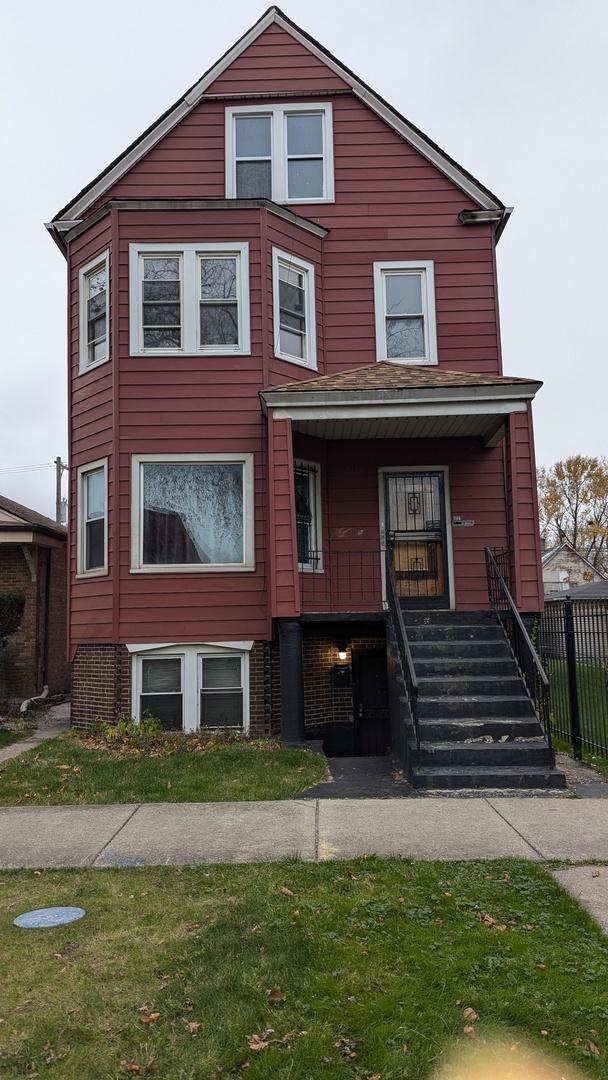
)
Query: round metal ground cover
[{"x": 48, "y": 916}]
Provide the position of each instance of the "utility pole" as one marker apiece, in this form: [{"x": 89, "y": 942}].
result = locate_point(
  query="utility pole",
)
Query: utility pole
[{"x": 59, "y": 471}]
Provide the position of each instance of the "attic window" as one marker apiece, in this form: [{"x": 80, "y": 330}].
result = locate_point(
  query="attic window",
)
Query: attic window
[{"x": 284, "y": 153}]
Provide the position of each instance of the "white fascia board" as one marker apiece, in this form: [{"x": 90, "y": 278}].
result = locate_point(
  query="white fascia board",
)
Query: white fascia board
[
  {"x": 238, "y": 646},
  {"x": 372, "y": 412},
  {"x": 404, "y": 398},
  {"x": 16, "y": 536},
  {"x": 416, "y": 139}
]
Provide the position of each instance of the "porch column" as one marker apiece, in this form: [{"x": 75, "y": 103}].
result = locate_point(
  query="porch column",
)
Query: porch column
[{"x": 291, "y": 672}]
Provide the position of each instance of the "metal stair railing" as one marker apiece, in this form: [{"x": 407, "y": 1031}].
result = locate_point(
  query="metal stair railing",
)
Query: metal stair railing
[
  {"x": 522, "y": 648},
  {"x": 395, "y": 616}
]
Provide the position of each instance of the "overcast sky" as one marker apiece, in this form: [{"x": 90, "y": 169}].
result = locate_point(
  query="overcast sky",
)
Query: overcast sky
[{"x": 515, "y": 90}]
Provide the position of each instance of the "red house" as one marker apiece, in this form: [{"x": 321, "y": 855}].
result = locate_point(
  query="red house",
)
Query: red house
[{"x": 291, "y": 440}]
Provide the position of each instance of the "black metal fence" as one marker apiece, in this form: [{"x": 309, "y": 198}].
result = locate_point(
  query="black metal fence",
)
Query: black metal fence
[{"x": 573, "y": 643}]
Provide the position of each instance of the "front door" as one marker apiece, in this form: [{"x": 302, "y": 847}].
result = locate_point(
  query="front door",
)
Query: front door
[
  {"x": 416, "y": 530},
  {"x": 370, "y": 702}
]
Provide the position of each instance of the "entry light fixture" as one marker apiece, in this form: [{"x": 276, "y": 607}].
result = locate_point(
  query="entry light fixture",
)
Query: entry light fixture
[{"x": 342, "y": 652}]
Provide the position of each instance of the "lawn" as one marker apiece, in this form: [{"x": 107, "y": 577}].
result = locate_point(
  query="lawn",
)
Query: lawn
[
  {"x": 71, "y": 770},
  {"x": 7, "y": 736},
  {"x": 366, "y": 969}
]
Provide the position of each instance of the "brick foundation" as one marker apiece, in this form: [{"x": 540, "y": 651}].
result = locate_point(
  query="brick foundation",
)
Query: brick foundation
[{"x": 323, "y": 701}]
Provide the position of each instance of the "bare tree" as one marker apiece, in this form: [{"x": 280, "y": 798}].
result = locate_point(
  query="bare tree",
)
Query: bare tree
[{"x": 573, "y": 505}]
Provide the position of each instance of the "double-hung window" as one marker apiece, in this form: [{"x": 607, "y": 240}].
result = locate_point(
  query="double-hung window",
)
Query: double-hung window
[
  {"x": 404, "y": 294},
  {"x": 92, "y": 544},
  {"x": 294, "y": 309},
  {"x": 308, "y": 515},
  {"x": 192, "y": 512},
  {"x": 284, "y": 153},
  {"x": 192, "y": 687},
  {"x": 93, "y": 317},
  {"x": 189, "y": 299}
]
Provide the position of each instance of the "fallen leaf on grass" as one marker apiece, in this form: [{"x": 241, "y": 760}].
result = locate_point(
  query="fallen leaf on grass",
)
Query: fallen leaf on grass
[
  {"x": 593, "y": 1048},
  {"x": 260, "y": 1042},
  {"x": 469, "y": 1030},
  {"x": 285, "y": 891},
  {"x": 149, "y": 1018},
  {"x": 193, "y": 1026},
  {"x": 274, "y": 994},
  {"x": 489, "y": 920},
  {"x": 137, "y": 1069},
  {"x": 470, "y": 1015}
]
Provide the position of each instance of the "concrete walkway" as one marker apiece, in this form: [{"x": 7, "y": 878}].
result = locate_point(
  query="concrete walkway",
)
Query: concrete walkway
[
  {"x": 54, "y": 722},
  {"x": 157, "y": 834}
]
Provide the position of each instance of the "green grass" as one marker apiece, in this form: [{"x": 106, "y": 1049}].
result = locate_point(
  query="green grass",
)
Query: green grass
[
  {"x": 65, "y": 771},
  {"x": 7, "y": 737},
  {"x": 592, "y": 680},
  {"x": 369, "y": 956}
]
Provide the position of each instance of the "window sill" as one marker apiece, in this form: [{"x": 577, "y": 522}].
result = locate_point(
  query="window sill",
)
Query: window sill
[
  {"x": 84, "y": 369},
  {"x": 226, "y": 568},
  {"x": 294, "y": 360},
  {"x": 397, "y": 360},
  {"x": 188, "y": 353},
  {"x": 85, "y": 575}
]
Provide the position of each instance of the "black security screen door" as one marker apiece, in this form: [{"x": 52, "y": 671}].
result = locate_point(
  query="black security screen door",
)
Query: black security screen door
[{"x": 416, "y": 529}]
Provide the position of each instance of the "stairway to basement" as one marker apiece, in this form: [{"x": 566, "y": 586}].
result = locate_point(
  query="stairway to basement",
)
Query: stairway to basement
[{"x": 478, "y": 726}]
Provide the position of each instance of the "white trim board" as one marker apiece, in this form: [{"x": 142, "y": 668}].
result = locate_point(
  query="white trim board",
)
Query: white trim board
[
  {"x": 433, "y": 153},
  {"x": 81, "y": 472},
  {"x": 307, "y": 269}
]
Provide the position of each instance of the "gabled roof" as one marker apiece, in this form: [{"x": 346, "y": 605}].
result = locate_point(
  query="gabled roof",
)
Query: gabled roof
[
  {"x": 22, "y": 515},
  {"x": 385, "y": 375},
  {"x": 549, "y": 556},
  {"x": 463, "y": 179}
]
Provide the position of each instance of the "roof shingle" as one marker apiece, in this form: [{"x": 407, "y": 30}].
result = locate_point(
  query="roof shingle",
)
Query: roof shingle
[
  {"x": 39, "y": 521},
  {"x": 386, "y": 375}
]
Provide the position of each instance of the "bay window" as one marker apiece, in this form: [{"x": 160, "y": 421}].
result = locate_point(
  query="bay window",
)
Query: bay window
[
  {"x": 92, "y": 539},
  {"x": 294, "y": 309},
  {"x": 93, "y": 313},
  {"x": 192, "y": 512},
  {"x": 189, "y": 298}
]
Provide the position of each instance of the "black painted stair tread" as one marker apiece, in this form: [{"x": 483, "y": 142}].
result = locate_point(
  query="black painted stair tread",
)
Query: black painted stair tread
[{"x": 489, "y": 776}]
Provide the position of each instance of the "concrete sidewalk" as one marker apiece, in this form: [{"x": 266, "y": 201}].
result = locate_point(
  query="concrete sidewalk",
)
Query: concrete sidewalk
[
  {"x": 55, "y": 721},
  {"x": 158, "y": 834}
]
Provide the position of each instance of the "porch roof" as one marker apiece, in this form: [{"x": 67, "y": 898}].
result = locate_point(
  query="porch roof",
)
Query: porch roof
[{"x": 392, "y": 400}]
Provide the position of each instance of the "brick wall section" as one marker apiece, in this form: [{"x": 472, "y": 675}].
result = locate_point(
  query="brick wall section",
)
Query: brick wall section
[
  {"x": 18, "y": 676},
  {"x": 323, "y": 702},
  {"x": 101, "y": 686}
]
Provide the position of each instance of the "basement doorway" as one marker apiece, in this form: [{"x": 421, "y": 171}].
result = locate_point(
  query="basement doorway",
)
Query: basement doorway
[{"x": 370, "y": 702}]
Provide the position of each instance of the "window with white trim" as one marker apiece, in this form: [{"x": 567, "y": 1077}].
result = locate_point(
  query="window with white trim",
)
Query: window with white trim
[
  {"x": 161, "y": 693},
  {"x": 307, "y": 480},
  {"x": 294, "y": 309},
  {"x": 221, "y": 692},
  {"x": 189, "y": 298},
  {"x": 192, "y": 512},
  {"x": 94, "y": 323},
  {"x": 404, "y": 294},
  {"x": 192, "y": 687},
  {"x": 283, "y": 152},
  {"x": 92, "y": 552}
]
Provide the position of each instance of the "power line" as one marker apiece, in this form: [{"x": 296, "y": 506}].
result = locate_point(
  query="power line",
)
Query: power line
[{"x": 26, "y": 468}]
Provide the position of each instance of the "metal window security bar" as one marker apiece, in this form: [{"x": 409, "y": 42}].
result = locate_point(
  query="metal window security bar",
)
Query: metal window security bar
[
  {"x": 306, "y": 479},
  {"x": 416, "y": 531},
  {"x": 573, "y": 644},
  {"x": 522, "y": 648}
]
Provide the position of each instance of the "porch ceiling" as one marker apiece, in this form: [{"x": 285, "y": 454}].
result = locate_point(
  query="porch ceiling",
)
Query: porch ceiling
[{"x": 395, "y": 401}]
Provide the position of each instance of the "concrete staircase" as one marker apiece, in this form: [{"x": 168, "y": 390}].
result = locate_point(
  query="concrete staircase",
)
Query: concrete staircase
[{"x": 478, "y": 726}]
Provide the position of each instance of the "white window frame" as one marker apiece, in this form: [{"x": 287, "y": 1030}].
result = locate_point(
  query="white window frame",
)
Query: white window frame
[
  {"x": 190, "y": 656},
  {"x": 189, "y": 256},
  {"x": 81, "y": 473},
  {"x": 137, "y": 513},
  {"x": 294, "y": 262},
  {"x": 314, "y": 477},
  {"x": 84, "y": 273},
  {"x": 278, "y": 145},
  {"x": 426, "y": 270},
  {"x": 244, "y": 658}
]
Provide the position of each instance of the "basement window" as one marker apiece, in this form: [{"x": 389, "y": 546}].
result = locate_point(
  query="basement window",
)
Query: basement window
[
  {"x": 404, "y": 295},
  {"x": 92, "y": 536},
  {"x": 192, "y": 687},
  {"x": 284, "y": 153},
  {"x": 93, "y": 291}
]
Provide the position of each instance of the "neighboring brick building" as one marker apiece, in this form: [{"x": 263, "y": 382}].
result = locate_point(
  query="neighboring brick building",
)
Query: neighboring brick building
[{"x": 33, "y": 562}]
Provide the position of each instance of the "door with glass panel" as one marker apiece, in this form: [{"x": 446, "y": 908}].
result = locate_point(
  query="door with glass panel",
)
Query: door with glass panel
[{"x": 416, "y": 530}]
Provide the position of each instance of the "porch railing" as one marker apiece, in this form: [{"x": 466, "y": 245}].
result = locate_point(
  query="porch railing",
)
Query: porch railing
[
  {"x": 522, "y": 649},
  {"x": 343, "y": 581},
  {"x": 397, "y": 625}
]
